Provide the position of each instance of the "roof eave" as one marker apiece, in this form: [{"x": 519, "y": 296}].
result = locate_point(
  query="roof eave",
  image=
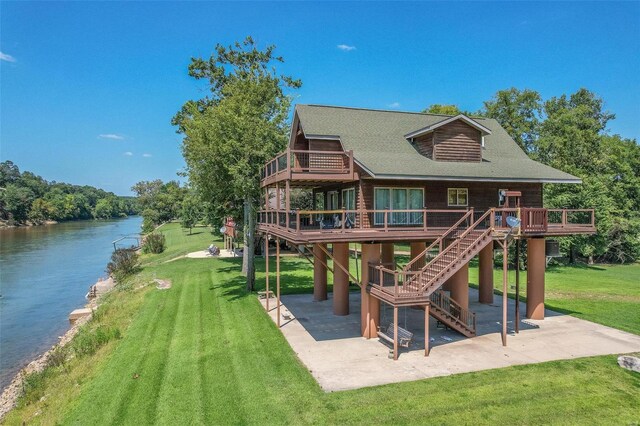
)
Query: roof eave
[{"x": 484, "y": 130}]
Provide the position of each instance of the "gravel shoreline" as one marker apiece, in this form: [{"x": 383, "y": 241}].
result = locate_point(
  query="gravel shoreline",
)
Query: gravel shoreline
[{"x": 12, "y": 392}]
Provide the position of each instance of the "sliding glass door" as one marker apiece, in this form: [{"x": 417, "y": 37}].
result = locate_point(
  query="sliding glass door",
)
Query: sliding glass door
[{"x": 396, "y": 200}]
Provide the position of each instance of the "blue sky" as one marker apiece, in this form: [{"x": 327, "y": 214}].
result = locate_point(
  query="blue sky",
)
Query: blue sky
[{"x": 88, "y": 89}]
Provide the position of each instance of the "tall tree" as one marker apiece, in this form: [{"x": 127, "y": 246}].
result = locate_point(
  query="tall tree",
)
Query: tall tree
[
  {"x": 232, "y": 132},
  {"x": 444, "y": 109},
  {"x": 519, "y": 112}
]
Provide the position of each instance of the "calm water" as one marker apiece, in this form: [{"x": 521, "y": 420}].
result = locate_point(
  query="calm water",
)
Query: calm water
[{"x": 45, "y": 272}]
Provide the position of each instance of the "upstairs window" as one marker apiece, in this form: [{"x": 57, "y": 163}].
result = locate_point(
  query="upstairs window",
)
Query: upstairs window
[{"x": 458, "y": 197}]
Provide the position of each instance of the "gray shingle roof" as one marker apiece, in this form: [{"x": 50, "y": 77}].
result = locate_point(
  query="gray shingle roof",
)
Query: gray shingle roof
[{"x": 376, "y": 138}]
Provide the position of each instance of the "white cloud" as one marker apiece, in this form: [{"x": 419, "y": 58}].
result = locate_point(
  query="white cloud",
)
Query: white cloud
[
  {"x": 146, "y": 155},
  {"x": 128, "y": 153},
  {"x": 346, "y": 47},
  {"x": 394, "y": 105},
  {"x": 6, "y": 57},
  {"x": 112, "y": 136}
]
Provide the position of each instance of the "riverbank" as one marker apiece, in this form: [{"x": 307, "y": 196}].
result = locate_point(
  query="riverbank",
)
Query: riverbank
[
  {"x": 46, "y": 272},
  {"x": 4, "y": 224},
  {"x": 204, "y": 351}
]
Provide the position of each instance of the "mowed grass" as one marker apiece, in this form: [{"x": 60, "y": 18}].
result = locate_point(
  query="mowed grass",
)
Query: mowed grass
[
  {"x": 205, "y": 352},
  {"x": 606, "y": 294}
]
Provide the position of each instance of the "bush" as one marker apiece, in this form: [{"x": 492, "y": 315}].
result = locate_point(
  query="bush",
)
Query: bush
[
  {"x": 124, "y": 262},
  {"x": 154, "y": 243},
  {"x": 33, "y": 385},
  {"x": 87, "y": 342}
]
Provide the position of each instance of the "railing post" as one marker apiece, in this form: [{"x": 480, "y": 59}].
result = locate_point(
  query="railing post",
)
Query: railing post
[
  {"x": 298, "y": 221},
  {"x": 386, "y": 219},
  {"x": 519, "y": 216},
  {"x": 564, "y": 218},
  {"x": 424, "y": 220},
  {"x": 289, "y": 162},
  {"x": 343, "y": 219},
  {"x": 395, "y": 283}
]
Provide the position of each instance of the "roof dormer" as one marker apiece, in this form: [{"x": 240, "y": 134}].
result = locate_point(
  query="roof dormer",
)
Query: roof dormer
[{"x": 457, "y": 138}]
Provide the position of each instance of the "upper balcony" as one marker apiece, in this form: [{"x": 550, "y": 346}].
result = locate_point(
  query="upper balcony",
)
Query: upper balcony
[{"x": 309, "y": 166}]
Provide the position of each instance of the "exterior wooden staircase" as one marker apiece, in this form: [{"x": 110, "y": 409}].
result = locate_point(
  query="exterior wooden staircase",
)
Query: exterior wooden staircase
[{"x": 420, "y": 280}]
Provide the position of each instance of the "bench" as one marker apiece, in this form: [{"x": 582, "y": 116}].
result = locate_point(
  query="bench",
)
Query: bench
[{"x": 405, "y": 337}]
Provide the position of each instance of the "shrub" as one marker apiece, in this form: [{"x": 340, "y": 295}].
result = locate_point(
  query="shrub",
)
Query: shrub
[
  {"x": 33, "y": 385},
  {"x": 154, "y": 243},
  {"x": 87, "y": 341},
  {"x": 124, "y": 262},
  {"x": 57, "y": 357}
]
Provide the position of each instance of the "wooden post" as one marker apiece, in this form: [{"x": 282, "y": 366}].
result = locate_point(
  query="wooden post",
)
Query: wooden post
[
  {"x": 395, "y": 333},
  {"x": 319, "y": 272},
  {"x": 517, "y": 313},
  {"x": 341, "y": 279},
  {"x": 266, "y": 267},
  {"x": 505, "y": 271},
  {"x": 278, "y": 281},
  {"x": 426, "y": 330},
  {"x": 287, "y": 201},
  {"x": 369, "y": 305},
  {"x": 536, "y": 263},
  {"x": 485, "y": 273}
]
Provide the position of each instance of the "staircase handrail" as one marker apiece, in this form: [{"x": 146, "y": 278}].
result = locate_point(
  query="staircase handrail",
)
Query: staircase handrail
[
  {"x": 466, "y": 313},
  {"x": 438, "y": 242},
  {"x": 455, "y": 245}
]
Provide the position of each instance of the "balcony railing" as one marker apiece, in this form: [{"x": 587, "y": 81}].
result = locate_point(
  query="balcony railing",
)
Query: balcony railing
[
  {"x": 301, "y": 162},
  {"x": 533, "y": 220}
]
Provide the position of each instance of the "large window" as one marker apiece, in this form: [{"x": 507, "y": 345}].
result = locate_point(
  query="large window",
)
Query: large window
[
  {"x": 396, "y": 200},
  {"x": 349, "y": 203},
  {"x": 332, "y": 200},
  {"x": 458, "y": 197}
]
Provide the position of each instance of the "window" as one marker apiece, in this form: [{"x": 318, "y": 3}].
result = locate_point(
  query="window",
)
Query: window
[
  {"x": 332, "y": 200},
  {"x": 396, "y": 200},
  {"x": 349, "y": 203},
  {"x": 458, "y": 197}
]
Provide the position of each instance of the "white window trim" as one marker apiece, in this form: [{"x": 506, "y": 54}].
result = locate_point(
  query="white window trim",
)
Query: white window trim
[{"x": 458, "y": 204}]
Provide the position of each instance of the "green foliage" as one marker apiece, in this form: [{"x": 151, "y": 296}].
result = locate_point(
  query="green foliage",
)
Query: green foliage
[
  {"x": 191, "y": 211},
  {"x": 519, "y": 112},
  {"x": 229, "y": 134},
  {"x": 154, "y": 243},
  {"x": 89, "y": 340},
  {"x": 159, "y": 202},
  {"x": 28, "y": 197},
  {"x": 124, "y": 262},
  {"x": 445, "y": 109}
]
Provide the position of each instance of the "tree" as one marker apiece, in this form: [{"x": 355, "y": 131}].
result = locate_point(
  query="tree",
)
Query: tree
[
  {"x": 230, "y": 133},
  {"x": 190, "y": 212},
  {"x": 159, "y": 201},
  {"x": 519, "y": 112},
  {"x": 16, "y": 201}
]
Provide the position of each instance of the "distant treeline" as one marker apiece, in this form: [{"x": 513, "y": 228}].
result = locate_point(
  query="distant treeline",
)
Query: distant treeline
[{"x": 28, "y": 198}]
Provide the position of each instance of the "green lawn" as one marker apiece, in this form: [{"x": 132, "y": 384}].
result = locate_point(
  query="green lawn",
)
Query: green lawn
[{"x": 205, "y": 352}]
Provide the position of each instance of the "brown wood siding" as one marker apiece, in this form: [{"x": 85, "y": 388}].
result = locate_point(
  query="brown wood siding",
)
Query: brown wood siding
[
  {"x": 457, "y": 141},
  {"x": 482, "y": 195},
  {"x": 424, "y": 145},
  {"x": 324, "y": 145}
]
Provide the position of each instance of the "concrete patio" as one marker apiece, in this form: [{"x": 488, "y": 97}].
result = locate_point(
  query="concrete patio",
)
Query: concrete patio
[{"x": 339, "y": 358}]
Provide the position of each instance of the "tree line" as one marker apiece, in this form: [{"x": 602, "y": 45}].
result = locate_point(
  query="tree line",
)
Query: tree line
[{"x": 26, "y": 198}]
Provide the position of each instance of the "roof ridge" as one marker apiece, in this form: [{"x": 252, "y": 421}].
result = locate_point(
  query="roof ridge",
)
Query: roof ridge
[{"x": 391, "y": 110}]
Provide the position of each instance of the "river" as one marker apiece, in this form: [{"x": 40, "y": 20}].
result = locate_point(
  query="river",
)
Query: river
[{"x": 45, "y": 272}]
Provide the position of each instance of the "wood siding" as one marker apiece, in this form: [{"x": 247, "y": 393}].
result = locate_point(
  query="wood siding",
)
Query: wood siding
[
  {"x": 457, "y": 141},
  {"x": 424, "y": 145}
]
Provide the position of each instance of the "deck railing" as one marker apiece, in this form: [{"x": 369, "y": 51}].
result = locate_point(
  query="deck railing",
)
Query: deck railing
[
  {"x": 308, "y": 162},
  {"x": 340, "y": 221}
]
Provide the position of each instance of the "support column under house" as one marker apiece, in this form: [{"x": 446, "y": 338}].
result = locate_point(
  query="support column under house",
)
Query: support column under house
[
  {"x": 319, "y": 272},
  {"x": 459, "y": 286},
  {"x": 485, "y": 274},
  {"x": 536, "y": 263},
  {"x": 341, "y": 279},
  {"x": 370, "y": 306}
]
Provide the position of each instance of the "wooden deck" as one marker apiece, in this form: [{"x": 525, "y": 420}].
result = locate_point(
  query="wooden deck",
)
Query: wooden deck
[{"x": 327, "y": 226}]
